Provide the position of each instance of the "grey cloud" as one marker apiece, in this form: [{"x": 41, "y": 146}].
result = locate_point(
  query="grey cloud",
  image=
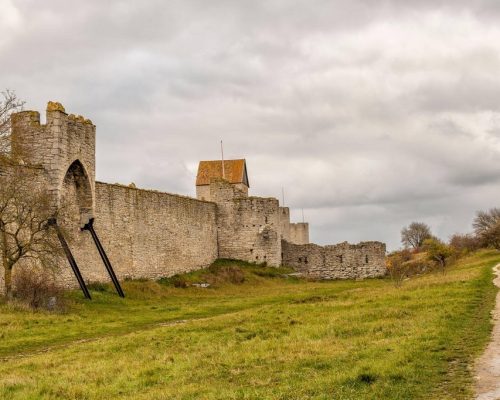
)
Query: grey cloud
[{"x": 370, "y": 114}]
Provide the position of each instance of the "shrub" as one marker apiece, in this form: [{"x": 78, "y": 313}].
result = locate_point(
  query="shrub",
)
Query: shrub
[
  {"x": 178, "y": 281},
  {"x": 438, "y": 252},
  {"x": 464, "y": 244},
  {"x": 37, "y": 290},
  {"x": 397, "y": 267}
]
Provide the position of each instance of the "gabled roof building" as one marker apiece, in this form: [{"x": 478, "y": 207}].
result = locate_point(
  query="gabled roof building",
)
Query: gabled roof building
[{"x": 232, "y": 171}]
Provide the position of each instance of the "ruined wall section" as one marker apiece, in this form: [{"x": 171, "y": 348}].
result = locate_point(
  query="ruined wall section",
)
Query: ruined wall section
[
  {"x": 299, "y": 233},
  {"x": 341, "y": 261},
  {"x": 248, "y": 227}
]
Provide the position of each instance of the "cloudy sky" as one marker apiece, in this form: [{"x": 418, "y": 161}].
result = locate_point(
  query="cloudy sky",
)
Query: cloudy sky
[{"x": 371, "y": 114}]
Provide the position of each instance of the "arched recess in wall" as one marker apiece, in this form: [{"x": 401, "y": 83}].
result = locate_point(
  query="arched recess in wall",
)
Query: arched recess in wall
[{"x": 76, "y": 206}]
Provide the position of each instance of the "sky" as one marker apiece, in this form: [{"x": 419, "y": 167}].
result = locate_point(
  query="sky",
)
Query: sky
[{"x": 370, "y": 114}]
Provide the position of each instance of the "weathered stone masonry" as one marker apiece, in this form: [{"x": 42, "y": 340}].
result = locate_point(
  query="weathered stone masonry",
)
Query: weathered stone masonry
[
  {"x": 149, "y": 234},
  {"x": 341, "y": 261},
  {"x": 64, "y": 146},
  {"x": 146, "y": 234},
  {"x": 248, "y": 227}
]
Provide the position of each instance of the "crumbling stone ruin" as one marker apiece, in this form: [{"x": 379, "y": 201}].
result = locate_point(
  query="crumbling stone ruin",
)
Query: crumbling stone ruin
[
  {"x": 340, "y": 261},
  {"x": 150, "y": 234}
]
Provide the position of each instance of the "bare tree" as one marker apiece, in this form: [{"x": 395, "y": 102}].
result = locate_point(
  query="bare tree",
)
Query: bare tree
[
  {"x": 25, "y": 232},
  {"x": 465, "y": 243},
  {"x": 487, "y": 227},
  {"x": 415, "y": 234},
  {"x": 25, "y": 206},
  {"x": 9, "y": 103}
]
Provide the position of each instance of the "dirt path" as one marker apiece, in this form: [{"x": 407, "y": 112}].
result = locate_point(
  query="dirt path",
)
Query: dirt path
[{"x": 488, "y": 366}]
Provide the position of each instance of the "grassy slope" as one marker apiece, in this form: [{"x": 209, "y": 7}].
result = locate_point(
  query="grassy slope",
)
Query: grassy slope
[{"x": 269, "y": 338}]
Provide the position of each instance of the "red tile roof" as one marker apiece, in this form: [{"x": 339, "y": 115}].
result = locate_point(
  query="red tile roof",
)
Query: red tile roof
[{"x": 235, "y": 171}]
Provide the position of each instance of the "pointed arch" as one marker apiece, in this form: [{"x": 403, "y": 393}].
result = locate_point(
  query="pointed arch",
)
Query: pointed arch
[{"x": 77, "y": 179}]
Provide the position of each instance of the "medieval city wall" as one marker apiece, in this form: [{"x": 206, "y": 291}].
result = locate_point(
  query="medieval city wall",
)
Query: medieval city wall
[
  {"x": 146, "y": 234},
  {"x": 340, "y": 261},
  {"x": 248, "y": 227},
  {"x": 150, "y": 234}
]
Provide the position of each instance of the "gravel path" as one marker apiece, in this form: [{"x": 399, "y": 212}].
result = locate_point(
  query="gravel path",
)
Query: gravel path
[{"x": 488, "y": 366}]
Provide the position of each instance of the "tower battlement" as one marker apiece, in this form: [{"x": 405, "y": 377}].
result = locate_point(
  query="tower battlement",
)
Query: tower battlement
[{"x": 64, "y": 145}]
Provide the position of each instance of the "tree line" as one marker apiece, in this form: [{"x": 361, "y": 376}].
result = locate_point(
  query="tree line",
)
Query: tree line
[{"x": 423, "y": 252}]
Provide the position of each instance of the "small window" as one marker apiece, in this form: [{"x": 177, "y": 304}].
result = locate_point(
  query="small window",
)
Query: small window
[
  {"x": 256, "y": 257},
  {"x": 305, "y": 260},
  {"x": 341, "y": 258},
  {"x": 300, "y": 259},
  {"x": 366, "y": 259},
  {"x": 265, "y": 220},
  {"x": 251, "y": 251}
]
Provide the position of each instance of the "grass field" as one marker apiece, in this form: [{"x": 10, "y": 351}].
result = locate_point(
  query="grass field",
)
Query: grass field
[{"x": 268, "y": 338}]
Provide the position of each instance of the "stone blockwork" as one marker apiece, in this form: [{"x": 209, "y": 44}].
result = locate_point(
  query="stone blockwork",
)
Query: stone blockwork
[
  {"x": 65, "y": 144},
  {"x": 146, "y": 234},
  {"x": 341, "y": 261},
  {"x": 248, "y": 227},
  {"x": 299, "y": 233},
  {"x": 284, "y": 218}
]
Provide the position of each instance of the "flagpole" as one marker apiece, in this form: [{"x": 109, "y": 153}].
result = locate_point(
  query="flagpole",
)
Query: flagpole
[{"x": 222, "y": 155}]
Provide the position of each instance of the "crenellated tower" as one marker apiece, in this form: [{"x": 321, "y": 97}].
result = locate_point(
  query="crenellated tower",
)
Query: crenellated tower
[{"x": 64, "y": 148}]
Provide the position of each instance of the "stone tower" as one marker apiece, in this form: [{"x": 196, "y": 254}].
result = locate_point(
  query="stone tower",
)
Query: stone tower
[{"x": 64, "y": 151}]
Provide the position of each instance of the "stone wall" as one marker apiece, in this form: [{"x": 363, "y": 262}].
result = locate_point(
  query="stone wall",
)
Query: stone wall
[
  {"x": 341, "y": 261},
  {"x": 299, "y": 233},
  {"x": 2, "y": 281},
  {"x": 146, "y": 234},
  {"x": 203, "y": 191},
  {"x": 248, "y": 227}
]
